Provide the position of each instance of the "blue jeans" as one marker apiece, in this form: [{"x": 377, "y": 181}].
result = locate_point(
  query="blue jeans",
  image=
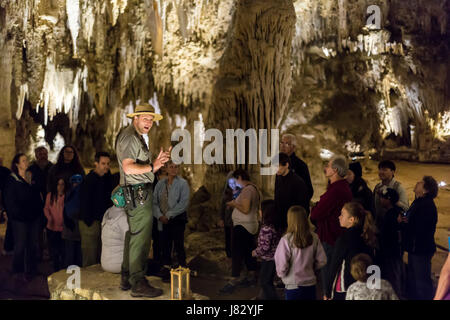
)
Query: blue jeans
[
  {"x": 324, "y": 271},
  {"x": 420, "y": 285},
  {"x": 26, "y": 236},
  {"x": 301, "y": 293}
]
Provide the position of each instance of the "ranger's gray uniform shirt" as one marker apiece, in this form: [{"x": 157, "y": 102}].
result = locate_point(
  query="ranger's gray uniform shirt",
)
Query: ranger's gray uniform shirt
[{"x": 131, "y": 145}]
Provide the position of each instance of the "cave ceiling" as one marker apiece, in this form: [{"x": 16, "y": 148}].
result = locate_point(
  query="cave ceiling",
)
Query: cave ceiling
[{"x": 72, "y": 69}]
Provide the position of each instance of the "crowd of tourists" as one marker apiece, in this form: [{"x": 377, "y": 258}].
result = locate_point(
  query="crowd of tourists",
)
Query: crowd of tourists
[
  {"x": 57, "y": 212},
  {"x": 347, "y": 246},
  {"x": 327, "y": 250}
]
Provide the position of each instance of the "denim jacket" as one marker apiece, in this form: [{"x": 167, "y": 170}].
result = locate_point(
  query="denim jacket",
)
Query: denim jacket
[{"x": 178, "y": 198}]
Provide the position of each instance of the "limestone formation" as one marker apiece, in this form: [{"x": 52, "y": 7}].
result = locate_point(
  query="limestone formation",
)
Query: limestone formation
[{"x": 354, "y": 77}]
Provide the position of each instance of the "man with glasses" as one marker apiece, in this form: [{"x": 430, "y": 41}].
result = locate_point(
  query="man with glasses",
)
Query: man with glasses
[{"x": 136, "y": 177}]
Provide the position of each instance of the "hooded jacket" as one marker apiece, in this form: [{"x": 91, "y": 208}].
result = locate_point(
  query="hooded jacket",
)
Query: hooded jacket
[{"x": 22, "y": 201}]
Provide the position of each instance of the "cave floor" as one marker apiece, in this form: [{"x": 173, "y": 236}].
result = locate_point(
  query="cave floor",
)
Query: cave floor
[{"x": 208, "y": 284}]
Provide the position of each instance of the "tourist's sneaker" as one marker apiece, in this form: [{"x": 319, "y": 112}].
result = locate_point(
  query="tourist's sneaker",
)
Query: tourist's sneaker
[
  {"x": 143, "y": 289},
  {"x": 124, "y": 282}
]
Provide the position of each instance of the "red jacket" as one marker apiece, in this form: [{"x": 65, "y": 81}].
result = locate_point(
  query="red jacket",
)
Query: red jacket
[{"x": 325, "y": 215}]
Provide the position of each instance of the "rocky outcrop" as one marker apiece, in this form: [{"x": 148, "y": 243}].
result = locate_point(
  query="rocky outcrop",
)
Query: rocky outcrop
[
  {"x": 72, "y": 69},
  {"x": 96, "y": 284}
]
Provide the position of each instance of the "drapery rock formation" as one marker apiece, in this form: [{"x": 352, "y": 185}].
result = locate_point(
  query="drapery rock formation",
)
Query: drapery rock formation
[{"x": 343, "y": 78}]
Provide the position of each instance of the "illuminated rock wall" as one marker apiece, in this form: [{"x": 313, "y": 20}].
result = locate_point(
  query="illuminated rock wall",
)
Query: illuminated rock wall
[{"x": 72, "y": 69}]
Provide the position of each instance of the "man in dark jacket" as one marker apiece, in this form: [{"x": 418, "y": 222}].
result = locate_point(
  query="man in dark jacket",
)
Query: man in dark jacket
[
  {"x": 390, "y": 255},
  {"x": 95, "y": 200},
  {"x": 39, "y": 170},
  {"x": 325, "y": 214},
  {"x": 290, "y": 190},
  {"x": 420, "y": 225},
  {"x": 299, "y": 167}
]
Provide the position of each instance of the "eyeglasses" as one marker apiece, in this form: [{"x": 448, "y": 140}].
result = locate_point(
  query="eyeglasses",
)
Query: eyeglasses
[{"x": 68, "y": 151}]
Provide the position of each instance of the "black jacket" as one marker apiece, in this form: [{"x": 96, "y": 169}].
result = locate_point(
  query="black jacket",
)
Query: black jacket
[
  {"x": 421, "y": 226},
  {"x": 22, "y": 201},
  {"x": 390, "y": 239},
  {"x": 95, "y": 197},
  {"x": 362, "y": 194},
  {"x": 301, "y": 169},
  {"x": 4, "y": 174},
  {"x": 290, "y": 190},
  {"x": 349, "y": 244},
  {"x": 40, "y": 177}
]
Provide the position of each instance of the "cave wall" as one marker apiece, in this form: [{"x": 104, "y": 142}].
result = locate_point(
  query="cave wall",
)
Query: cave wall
[{"x": 74, "y": 68}]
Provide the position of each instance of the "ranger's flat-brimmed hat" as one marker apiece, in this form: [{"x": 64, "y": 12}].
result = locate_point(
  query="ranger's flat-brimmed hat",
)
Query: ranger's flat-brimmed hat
[{"x": 145, "y": 108}]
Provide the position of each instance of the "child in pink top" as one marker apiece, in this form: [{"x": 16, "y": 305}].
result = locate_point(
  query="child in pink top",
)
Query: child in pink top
[
  {"x": 299, "y": 254},
  {"x": 53, "y": 210},
  {"x": 268, "y": 239}
]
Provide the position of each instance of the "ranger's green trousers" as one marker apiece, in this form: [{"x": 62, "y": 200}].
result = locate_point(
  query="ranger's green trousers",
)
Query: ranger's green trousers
[{"x": 138, "y": 239}]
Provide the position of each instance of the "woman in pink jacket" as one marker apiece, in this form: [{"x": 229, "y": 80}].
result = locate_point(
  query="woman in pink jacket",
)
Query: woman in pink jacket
[{"x": 54, "y": 206}]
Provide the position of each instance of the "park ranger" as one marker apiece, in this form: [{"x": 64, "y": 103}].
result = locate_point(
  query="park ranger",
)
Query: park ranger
[{"x": 136, "y": 177}]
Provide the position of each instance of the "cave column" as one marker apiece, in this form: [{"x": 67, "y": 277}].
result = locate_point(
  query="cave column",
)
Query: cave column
[{"x": 7, "y": 123}]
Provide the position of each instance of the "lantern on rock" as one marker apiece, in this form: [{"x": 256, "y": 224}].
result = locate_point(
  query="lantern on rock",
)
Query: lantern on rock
[{"x": 180, "y": 284}]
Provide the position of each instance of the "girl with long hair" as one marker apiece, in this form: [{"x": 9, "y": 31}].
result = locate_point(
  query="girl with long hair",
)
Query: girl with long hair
[
  {"x": 299, "y": 254},
  {"x": 359, "y": 237}
]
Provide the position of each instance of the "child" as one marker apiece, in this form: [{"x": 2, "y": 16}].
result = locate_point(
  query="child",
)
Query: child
[
  {"x": 53, "y": 210},
  {"x": 268, "y": 240},
  {"x": 361, "y": 290},
  {"x": 298, "y": 255},
  {"x": 359, "y": 237}
]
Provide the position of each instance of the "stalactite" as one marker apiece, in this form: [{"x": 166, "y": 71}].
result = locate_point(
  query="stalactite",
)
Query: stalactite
[
  {"x": 23, "y": 94},
  {"x": 73, "y": 21}
]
